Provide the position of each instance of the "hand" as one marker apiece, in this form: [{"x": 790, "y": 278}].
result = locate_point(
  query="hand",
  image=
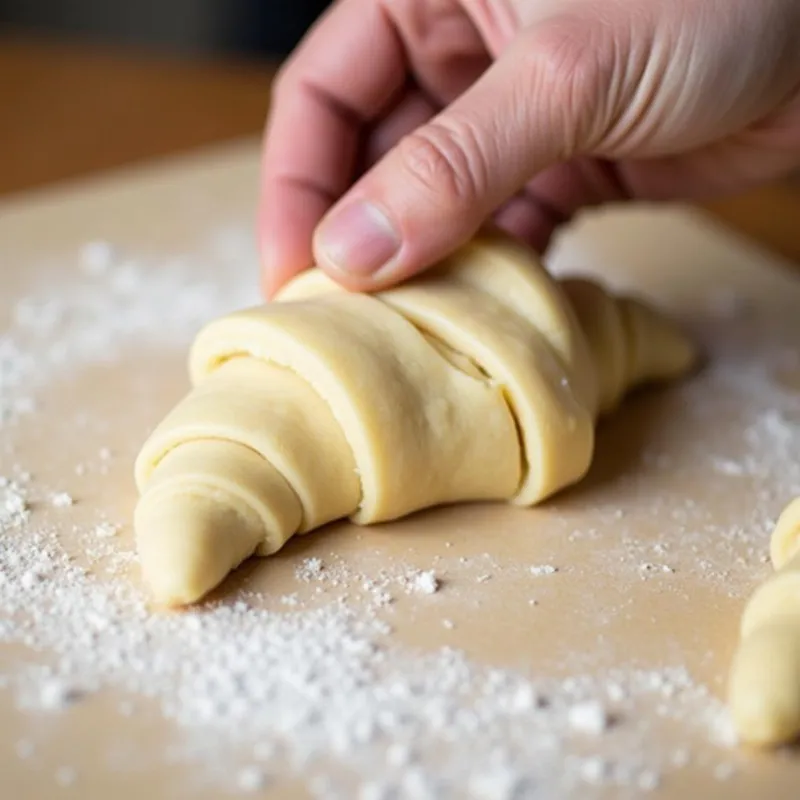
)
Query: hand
[{"x": 399, "y": 127}]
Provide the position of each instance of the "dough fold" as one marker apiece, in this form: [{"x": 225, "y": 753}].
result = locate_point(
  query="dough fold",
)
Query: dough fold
[
  {"x": 764, "y": 682},
  {"x": 482, "y": 380}
]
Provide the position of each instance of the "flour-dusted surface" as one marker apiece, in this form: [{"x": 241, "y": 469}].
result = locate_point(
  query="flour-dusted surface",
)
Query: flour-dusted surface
[{"x": 578, "y": 650}]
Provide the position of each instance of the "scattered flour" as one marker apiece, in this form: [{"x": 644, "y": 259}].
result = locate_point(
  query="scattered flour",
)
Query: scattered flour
[
  {"x": 650, "y": 568},
  {"x": 14, "y": 510},
  {"x": 56, "y": 694},
  {"x": 106, "y": 530},
  {"x": 328, "y": 682},
  {"x": 544, "y": 569},
  {"x": 252, "y": 779},
  {"x": 595, "y": 770},
  {"x": 590, "y": 717},
  {"x": 425, "y": 582},
  {"x": 115, "y": 302},
  {"x": 66, "y": 776},
  {"x": 97, "y": 258},
  {"x": 62, "y": 500},
  {"x": 310, "y": 569}
]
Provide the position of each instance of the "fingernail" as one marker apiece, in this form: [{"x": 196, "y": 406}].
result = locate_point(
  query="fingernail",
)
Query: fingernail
[{"x": 359, "y": 239}]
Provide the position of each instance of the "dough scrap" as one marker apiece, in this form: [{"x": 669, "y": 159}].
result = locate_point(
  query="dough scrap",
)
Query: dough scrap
[
  {"x": 764, "y": 683},
  {"x": 482, "y": 380}
]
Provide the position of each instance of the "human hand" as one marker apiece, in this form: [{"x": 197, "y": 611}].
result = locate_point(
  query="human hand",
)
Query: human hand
[{"x": 398, "y": 127}]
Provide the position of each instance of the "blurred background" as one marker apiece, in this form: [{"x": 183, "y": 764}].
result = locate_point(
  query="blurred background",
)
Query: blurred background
[
  {"x": 91, "y": 85},
  {"x": 254, "y": 27}
]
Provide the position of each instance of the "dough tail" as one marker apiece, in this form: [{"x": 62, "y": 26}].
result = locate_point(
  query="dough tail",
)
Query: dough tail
[
  {"x": 630, "y": 342},
  {"x": 764, "y": 683}
]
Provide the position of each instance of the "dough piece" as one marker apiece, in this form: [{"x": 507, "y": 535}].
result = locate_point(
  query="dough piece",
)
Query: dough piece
[
  {"x": 482, "y": 380},
  {"x": 764, "y": 687}
]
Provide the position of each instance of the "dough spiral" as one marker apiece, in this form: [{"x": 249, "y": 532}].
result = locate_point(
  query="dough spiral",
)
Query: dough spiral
[
  {"x": 482, "y": 380},
  {"x": 764, "y": 685}
]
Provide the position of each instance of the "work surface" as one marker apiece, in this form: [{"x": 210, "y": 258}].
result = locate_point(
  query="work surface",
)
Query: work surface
[{"x": 579, "y": 649}]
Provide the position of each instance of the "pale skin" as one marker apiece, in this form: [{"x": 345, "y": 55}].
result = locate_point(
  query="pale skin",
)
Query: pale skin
[{"x": 399, "y": 127}]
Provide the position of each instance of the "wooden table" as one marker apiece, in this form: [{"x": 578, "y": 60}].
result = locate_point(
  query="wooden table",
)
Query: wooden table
[{"x": 73, "y": 109}]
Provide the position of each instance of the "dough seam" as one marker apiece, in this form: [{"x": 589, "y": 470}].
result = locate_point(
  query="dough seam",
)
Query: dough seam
[
  {"x": 506, "y": 393},
  {"x": 219, "y": 361},
  {"x": 489, "y": 380}
]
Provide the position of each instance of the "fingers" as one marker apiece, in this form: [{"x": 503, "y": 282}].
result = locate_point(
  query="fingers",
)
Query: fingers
[
  {"x": 532, "y": 109},
  {"x": 445, "y": 50},
  {"x": 321, "y": 100},
  {"x": 412, "y": 110},
  {"x": 551, "y": 198},
  {"x": 528, "y": 220}
]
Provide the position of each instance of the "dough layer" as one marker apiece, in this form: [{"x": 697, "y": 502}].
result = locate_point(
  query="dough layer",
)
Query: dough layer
[{"x": 482, "y": 380}]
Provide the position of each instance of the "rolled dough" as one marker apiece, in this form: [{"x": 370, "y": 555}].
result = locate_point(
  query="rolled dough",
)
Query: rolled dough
[
  {"x": 764, "y": 687},
  {"x": 482, "y": 380}
]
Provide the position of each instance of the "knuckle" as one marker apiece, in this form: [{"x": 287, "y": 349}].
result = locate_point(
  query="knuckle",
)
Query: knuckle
[
  {"x": 571, "y": 63},
  {"x": 564, "y": 58},
  {"x": 446, "y": 161}
]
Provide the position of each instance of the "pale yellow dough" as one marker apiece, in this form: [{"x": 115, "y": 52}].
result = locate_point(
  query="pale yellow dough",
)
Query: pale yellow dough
[
  {"x": 482, "y": 380},
  {"x": 764, "y": 686}
]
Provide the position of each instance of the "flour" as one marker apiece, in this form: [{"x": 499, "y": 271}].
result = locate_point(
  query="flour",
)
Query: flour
[
  {"x": 252, "y": 779},
  {"x": 590, "y": 717},
  {"x": 56, "y": 694},
  {"x": 258, "y": 692},
  {"x": 544, "y": 569},
  {"x": 116, "y": 301},
  {"x": 62, "y": 500},
  {"x": 106, "y": 530},
  {"x": 648, "y": 568},
  {"x": 14, "y": 509},
  {"x": 595, "y": 770},
  {"x": 424, "y": 582},
  {"x": 375, "y": 587},
  {"x": 649, "y": 781},
  {"x": 310, "y": 569},
  {"x": 327, "y": 682},
  {"x": 97, "y": 258},
  {"x": 66, "y": 776}
]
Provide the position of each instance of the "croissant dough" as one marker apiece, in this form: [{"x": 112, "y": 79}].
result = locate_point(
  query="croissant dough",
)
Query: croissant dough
[
  {"x": 764, "y": 685},
  {"x": 482, "y": 380}
]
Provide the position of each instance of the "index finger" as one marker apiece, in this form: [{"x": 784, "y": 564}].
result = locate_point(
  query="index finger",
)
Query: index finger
[{"x": 341, "y": 77}]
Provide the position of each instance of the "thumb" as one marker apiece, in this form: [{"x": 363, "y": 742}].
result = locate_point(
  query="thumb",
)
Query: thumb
[{"x": 531, "y": 109}]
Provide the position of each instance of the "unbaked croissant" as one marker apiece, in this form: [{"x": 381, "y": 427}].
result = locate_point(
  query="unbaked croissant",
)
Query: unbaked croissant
[
  {"x": 482, "y": 380},
  {"x": 764, "y": 687}
]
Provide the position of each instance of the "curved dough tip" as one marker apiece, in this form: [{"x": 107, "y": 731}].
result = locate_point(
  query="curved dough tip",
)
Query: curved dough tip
[
  {"x": 188, "y": 543},
  {"x": 764, "y": 691},
  {"x": 764, "y": 681}
]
